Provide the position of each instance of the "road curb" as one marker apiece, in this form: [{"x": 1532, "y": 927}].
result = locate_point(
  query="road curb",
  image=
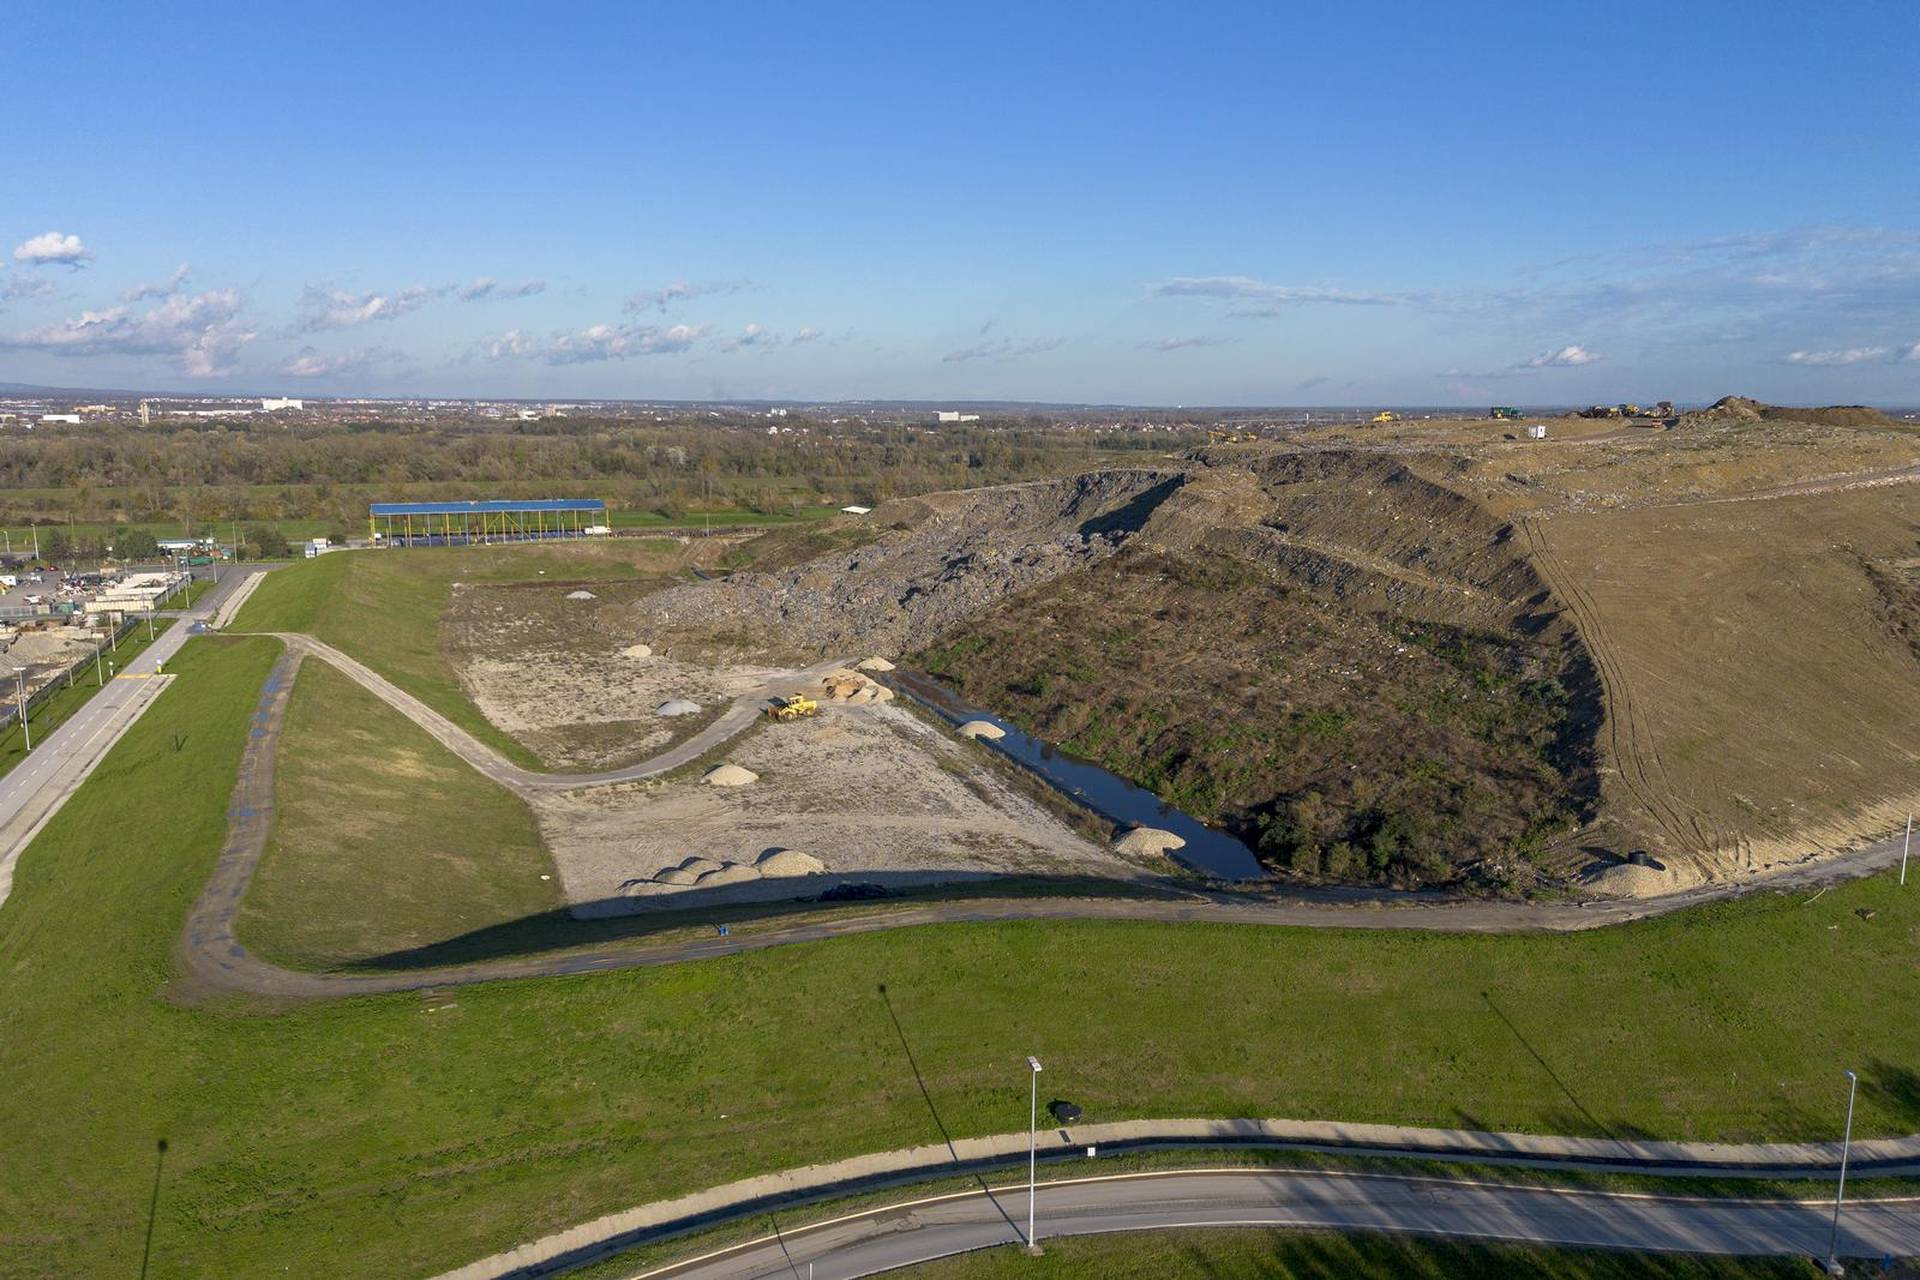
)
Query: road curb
[{"x": 577, "y": 1246}]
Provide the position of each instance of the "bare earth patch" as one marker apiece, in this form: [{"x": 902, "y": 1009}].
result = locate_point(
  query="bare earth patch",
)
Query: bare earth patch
[
  {"x": 873, "y": 792},
  {"x": 556, "y": 675}
]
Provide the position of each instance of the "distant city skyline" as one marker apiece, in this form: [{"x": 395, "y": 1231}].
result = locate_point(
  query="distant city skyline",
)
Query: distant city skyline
[{"x": 1221, "y": 206}]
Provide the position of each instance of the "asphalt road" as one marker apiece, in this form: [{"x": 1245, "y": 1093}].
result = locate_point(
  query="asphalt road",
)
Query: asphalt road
[
  {"x": 900, "y": 1235},
  {"x": 39, "y": 785}
]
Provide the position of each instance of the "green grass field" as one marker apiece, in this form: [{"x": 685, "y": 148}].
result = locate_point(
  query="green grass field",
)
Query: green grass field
[
  {"x": 1256, "y": 1254},
  {"x": 384, "y": 608},
  {"x": 395, "y": 1136},
  {"x": 384, "y": 839}
]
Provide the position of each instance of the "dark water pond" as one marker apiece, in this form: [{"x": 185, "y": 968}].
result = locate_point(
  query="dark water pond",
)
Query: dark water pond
[{"x": 1208, "y": 850}]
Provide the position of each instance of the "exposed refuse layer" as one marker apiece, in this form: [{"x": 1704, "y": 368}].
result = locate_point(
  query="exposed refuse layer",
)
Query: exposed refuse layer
[{"x": 941, "y": 560}]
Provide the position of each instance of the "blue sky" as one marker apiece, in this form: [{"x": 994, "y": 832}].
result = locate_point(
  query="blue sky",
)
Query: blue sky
[{"x": 1359, "y": 204}]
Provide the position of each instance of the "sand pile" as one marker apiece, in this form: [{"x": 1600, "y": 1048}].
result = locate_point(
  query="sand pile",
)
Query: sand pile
[
  {"x": 788, "y": 862},
  {"x": 637, "y": 651},
  {"x": 705, "y": 873},
  {"x": 982, "y": 729},
  {"x": 874, "y": 664},
  {"x": 581, "y": 595},
  {"x": 730, "y": 775},
  {"x": 1147, "y": 842},
  {"x": 677, "y": 707},
  {"x": 845, "y": 685}
]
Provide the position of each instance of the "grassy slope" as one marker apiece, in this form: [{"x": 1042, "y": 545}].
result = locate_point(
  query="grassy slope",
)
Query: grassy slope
[
  {"x": 391, "y": 1136},
  {"x": 1292, "y": 1255},
  {"x": 384, "y": 608},
  {"x": 383, "y": 839}
]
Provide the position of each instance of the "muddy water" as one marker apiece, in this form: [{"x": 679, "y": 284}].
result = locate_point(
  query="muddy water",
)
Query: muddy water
[{"x": 1214, "y": 852}]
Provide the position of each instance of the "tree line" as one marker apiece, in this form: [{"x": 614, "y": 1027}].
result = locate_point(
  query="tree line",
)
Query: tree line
[{"x": 206, "y": 474}]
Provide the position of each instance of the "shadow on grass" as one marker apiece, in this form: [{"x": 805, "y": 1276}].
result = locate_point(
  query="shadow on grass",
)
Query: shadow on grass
[
  {"x": 706, "y": 910},
  {"x": 926, "y": 1095}
]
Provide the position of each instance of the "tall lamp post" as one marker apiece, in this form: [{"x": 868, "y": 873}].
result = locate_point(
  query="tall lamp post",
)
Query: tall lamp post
[
  {"x": 20, "y": 693},
  {"x": 1846, "y": 1143},
  {"x": 1033, "y": 1141}
]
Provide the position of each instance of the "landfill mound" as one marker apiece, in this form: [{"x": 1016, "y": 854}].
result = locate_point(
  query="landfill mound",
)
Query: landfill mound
[
  {"x": 1833, "y": 415},
  {"x": 940, "y": 560}
]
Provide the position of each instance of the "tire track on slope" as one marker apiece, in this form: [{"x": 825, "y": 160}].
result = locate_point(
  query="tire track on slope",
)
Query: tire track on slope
[{"x": 1625, "y": 734}]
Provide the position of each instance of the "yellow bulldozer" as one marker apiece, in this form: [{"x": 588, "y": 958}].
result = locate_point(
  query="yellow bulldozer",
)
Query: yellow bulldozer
[{"x": 795, "y": 707}]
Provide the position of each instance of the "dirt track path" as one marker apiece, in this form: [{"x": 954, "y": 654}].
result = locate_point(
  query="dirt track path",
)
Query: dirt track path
[
  {"x": 213, "y": 963},
  {"x": 744, "y": 712}
]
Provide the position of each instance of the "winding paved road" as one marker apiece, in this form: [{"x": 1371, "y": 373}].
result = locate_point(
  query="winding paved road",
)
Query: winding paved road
[{"x": 901, "y": 1235}]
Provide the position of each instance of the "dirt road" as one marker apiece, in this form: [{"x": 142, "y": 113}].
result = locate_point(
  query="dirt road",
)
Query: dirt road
[
  {"x": 744, "y": 712},
  {"x": 212, "y": 961}
]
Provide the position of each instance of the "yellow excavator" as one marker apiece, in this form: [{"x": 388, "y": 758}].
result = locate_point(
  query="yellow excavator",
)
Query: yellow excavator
[{"x": 794, "y": 707}]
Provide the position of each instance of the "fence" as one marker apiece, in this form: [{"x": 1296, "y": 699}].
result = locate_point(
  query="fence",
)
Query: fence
[{"x": 66, "y": 676}]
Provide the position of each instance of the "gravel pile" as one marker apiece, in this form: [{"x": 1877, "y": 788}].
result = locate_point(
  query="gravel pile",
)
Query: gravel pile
[{"x": 961, "y": 553}]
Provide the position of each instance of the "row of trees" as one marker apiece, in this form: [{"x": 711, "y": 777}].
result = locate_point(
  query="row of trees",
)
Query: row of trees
[{"x": 224, "y": 473}]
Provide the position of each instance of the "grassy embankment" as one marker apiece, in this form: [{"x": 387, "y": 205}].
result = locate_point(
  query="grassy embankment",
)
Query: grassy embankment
[
  {"x": 395, "y": 1135},
  {"x": 59, "y": 708},
  {"x": 383, "y": 840},
  {"x": 1244, "y": 1254},
  {"x": 385, "y": 607}
]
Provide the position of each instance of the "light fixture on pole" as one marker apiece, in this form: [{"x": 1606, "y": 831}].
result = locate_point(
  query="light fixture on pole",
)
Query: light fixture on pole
[
  {"x": 1033, "y": 1142},
  {"x": 20, "y": 692},
  {"x": 1846, "y": 1143}
]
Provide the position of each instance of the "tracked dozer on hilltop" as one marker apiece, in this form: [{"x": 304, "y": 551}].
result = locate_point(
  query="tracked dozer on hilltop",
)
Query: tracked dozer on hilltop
[{"x": 796, "y": 707}]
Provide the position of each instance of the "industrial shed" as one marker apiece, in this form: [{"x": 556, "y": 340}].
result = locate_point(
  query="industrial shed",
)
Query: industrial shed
[{"x": 452, "y": 524}]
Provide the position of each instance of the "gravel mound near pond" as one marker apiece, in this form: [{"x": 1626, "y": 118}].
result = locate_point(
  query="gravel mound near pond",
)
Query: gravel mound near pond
[
  {"x": 677, "y": 707},
  {"x": 637, "y": 651},
  {"x": 581, "y": 595},
  {"x": 874, "y": 664},
  {"x": 982, "y": 729},
  {"x": 730, "y": 775},
  {"x": 1148, "y": 842}
]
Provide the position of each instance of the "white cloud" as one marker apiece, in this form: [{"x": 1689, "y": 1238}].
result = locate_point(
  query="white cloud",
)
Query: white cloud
[
  {"x": 680, "y": 291},
  {"x": 322, "y": 308},
  {"x": 164, "y": 289},
  {"x": 314, "y": 364},
  {"x": 1568, "y": 357},
  {"x": 52, "y": 247},
  {"x": 595, "y": 342},
  {"x": 753, "y": 335},
  {"x": 1003, "y": 349},
  {"x": 512, "y": 344},
  {"x": 203, "y": 332},
  {"x": 1247, "y": 289},
  {"x": 1180, "y": 344},
  {"x": 19, "y": 286},
  {"x": 1833, "y": 359},
  {"x": 806, "y": 333},
  {"x": 486, "y": 287}
]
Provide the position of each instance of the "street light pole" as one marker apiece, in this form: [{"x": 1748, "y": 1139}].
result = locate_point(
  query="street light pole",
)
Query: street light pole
[
  {"x": 1905, "y": 848},
  {"x": 20, "y": 692},
  {"x": 1033, "y": 1141},
  {"x": 1846, "y": 1143}
]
